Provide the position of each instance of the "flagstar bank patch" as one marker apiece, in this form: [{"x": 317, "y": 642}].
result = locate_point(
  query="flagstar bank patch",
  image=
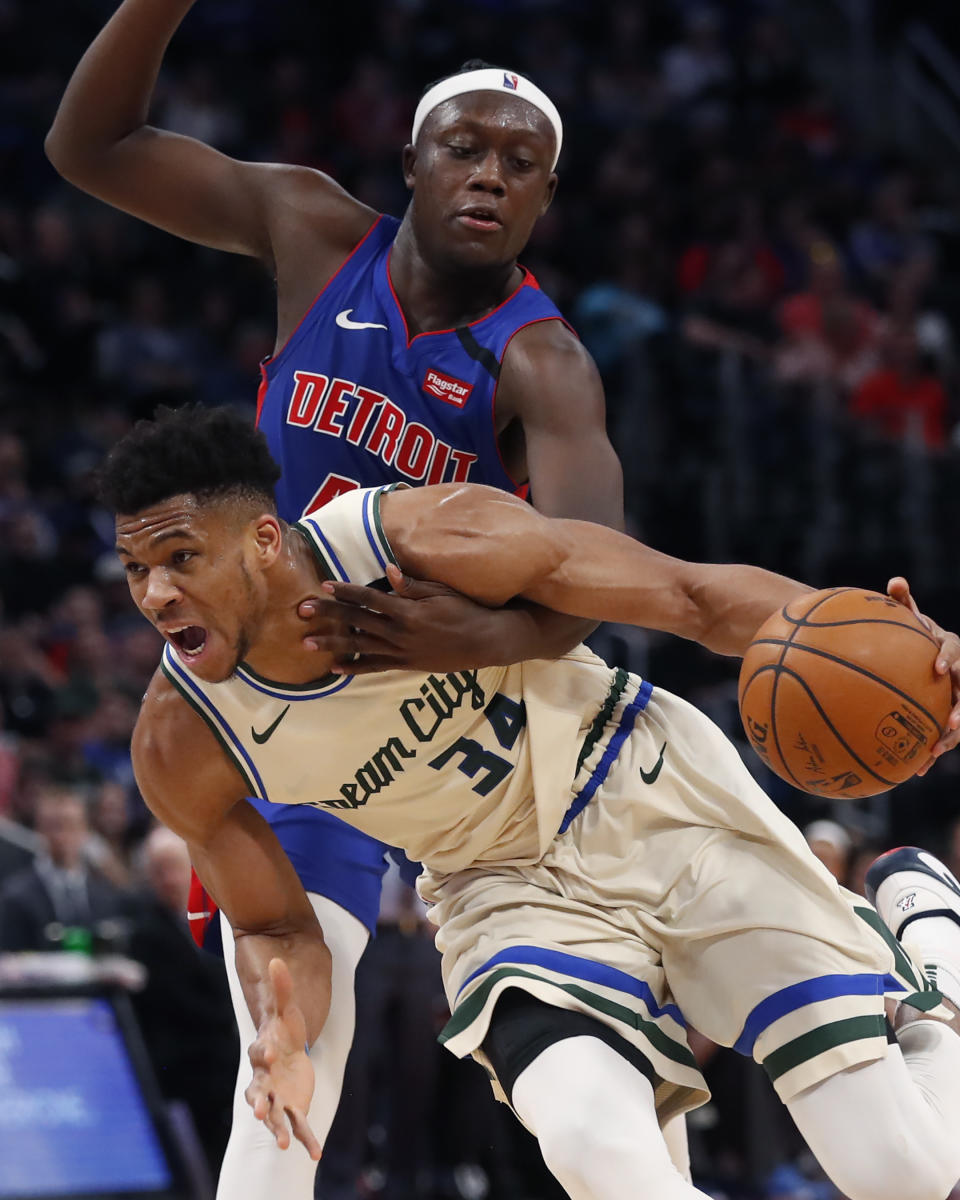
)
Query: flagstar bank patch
[{"x": 446, "y": 388}]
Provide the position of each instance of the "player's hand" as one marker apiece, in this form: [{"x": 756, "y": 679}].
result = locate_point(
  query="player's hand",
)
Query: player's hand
[
  {"x": 282, "y": 1085},
  {"x": 948, "y": 662},
  {"x": 418, "y": 626}
]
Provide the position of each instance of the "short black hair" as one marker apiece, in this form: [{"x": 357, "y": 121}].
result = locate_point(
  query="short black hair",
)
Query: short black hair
[
  {"x": 210, "y": 453},
  {"x": 472, "y": 64}
]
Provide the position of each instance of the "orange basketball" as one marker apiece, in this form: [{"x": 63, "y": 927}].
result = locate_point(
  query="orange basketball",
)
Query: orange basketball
[{"x": 838, "y": 693}]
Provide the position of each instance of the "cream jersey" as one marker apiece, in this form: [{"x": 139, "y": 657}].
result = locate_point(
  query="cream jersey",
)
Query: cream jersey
[{"x": 469, "y": 767}]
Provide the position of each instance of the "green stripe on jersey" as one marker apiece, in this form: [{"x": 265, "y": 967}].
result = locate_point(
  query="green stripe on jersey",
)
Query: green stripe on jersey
[
  {"x": 228, "y": 750},
  {"x": 326, "y": 567},
  {"x": 904, "y": 965},
  {"x": 594, "y": 733},
  {"x": 467, "y": 1012},
  {"x": 817, "y": 1041},
  {"x": 378, "y": 523}
]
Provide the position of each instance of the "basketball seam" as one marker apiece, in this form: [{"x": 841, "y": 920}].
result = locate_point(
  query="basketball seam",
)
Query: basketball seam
[
  {"x": 789, "y": 644},
  {"x": 798, "y": 622},
  {"x": 777, "y": 681},
  {"x": 776, "y": 678},
  {"x": 805, "y": 624},
  {"x": 826, "y": 720}
]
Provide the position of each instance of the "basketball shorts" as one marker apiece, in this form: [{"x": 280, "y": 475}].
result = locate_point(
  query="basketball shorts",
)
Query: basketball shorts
[
  {"x": 679, "y": 894},
  {"x": 329, "y": 856}
]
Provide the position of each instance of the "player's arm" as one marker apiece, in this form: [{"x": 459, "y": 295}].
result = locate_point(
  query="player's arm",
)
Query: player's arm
[
  {"x": 552, "y": 396},
  {"x": 188, "y": 783},
  {"x": 551, "y": 388},
  {"x": 101, "y": 142},
  {"x": 493, "y": 547}
]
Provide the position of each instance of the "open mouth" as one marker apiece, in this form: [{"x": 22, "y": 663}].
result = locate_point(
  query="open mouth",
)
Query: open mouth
[{"x": 189, "y": 640}]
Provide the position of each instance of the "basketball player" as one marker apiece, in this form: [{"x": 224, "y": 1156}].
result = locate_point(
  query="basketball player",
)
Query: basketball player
[
  {"x": 601, "y": 864},
  {"x": 391, "y": 343}
]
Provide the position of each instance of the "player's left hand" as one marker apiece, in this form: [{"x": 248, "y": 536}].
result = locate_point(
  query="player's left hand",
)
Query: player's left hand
[
  {"x": 419, "y": 626},
  {"x": 948, "y": 662},
  {"x": 282, "y": 1084}
]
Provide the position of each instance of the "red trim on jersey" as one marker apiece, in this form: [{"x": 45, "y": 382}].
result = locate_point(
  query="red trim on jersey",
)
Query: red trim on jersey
[
  {"x": 267, "y": 362},
  {"x": 261, "y": 392},
  {"x": 518, "y": 487},
  {"x": 470, "y": 324},
  {"x": 200, "y": 909}
]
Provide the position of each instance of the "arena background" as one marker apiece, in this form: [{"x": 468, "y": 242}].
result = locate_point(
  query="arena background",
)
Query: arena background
[{"x": 757, "y": 234}]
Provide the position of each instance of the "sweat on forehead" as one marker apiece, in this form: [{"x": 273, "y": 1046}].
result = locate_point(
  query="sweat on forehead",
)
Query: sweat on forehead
[{"x": 484, "y": 107}]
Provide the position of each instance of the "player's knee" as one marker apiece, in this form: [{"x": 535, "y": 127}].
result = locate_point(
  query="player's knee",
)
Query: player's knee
[
  {"x": 897, "y": 1171},
  {"x": 588, "y": 1137}
]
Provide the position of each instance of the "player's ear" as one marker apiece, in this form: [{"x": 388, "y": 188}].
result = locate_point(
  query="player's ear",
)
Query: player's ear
[
  {"x": 267, "y": 539},
  {"x": 409, "y": 165},
  {"x": 550, "y": 193}
]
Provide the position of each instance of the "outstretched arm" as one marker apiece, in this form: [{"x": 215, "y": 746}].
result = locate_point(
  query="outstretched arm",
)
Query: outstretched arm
[
  {"x": 282, "y": 960},
  {"x": 493, "y": 547},
  {"x": 100, "y": 141}
]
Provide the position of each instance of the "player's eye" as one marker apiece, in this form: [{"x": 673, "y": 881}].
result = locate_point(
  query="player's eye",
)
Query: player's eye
[
  {"x": 523, "y": 164},
  {"x": 458, "y": 150},
  {"x": 180, "y": 557},
  {"x": 133, "y": 569}
]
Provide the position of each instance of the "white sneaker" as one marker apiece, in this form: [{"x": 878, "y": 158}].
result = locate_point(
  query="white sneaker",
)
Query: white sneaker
[{"x": 918, "y": 899}]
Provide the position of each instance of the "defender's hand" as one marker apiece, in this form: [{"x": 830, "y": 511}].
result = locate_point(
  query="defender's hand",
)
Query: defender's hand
[
  {"x": 418, "y": 626},
  {"x": 948, "y": 662},
  {"x": 282, "y": 1085}
]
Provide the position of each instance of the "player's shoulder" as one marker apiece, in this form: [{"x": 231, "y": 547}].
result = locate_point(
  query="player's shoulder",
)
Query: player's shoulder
[
  {"x": 307, "y": 209},
  {"x": 544, "y": 358},
  {"x": 165, "y": 722},
  {"x": 177, "y": 761}
]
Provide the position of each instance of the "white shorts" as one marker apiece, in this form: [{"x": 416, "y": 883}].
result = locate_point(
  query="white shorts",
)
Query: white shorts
[{"x": 679, "y": 894}]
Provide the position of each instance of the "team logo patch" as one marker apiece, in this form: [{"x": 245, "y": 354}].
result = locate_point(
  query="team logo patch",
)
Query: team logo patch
[
  {"x": 907, "y": 901},
  {"x": 446, "y": 388},
  {"x": 510, "y": 81}
]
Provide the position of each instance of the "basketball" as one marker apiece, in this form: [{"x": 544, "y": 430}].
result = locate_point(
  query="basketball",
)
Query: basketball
[{"x": 838, "y": 693}]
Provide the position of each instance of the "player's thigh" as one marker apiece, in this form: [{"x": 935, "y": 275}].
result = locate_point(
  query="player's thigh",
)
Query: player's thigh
[
  {"x": 515, "y": 929},
  {"x": 765, "y": 957}
]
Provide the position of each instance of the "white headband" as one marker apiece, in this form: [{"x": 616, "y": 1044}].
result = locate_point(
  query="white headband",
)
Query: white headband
[{"x": 489, "y": 79}]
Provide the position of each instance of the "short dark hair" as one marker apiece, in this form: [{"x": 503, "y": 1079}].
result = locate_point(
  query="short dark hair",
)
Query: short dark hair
[
  {"x": 472, "y": 64},
  {"x": 210, "y": 453}
]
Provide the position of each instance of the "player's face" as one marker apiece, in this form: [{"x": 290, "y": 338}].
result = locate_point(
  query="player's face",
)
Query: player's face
[
  {"x": 194, "y": 571},
  {"x": 481, "y": 177}
]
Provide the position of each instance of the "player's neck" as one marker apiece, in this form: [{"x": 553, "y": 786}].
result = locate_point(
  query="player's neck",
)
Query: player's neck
[
  {"x": 278, "y": 653},
  {"x": 434, "y": 297}
]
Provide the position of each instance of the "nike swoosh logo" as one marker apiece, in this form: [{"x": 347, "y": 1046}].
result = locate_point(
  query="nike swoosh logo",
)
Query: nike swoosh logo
[
  {"x": 268, "y": 733},
  {"x": 343, "y": 320},
  {"x": 651, "y": 775}
]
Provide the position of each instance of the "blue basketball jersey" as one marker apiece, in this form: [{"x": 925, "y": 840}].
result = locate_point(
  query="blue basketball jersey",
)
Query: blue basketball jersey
[{"x": 352, "y": 401}]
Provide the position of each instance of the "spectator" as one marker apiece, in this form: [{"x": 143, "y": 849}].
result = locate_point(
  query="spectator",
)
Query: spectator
[
  {"x": 18, "y": 849},
  {"x": 888, "y": 240},
  {"x": 903, "y": 398},
  {"x": 145, "y": 355},
  {"x": 184, "y": 1010},
  {"x": 111, "y": 845},
  {"x": 831, "y": 336},
  {"x": 699, "y": 65},
  {"x": 58, "y": 890},
  {"x": 831, "y": 843}
]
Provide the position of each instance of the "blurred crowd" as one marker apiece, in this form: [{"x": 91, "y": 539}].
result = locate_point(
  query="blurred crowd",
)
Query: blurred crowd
[{"x": 771, "y": 295}]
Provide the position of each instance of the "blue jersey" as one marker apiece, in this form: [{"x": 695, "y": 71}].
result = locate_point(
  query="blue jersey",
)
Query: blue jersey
[{"x": 352, "y": 401}]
